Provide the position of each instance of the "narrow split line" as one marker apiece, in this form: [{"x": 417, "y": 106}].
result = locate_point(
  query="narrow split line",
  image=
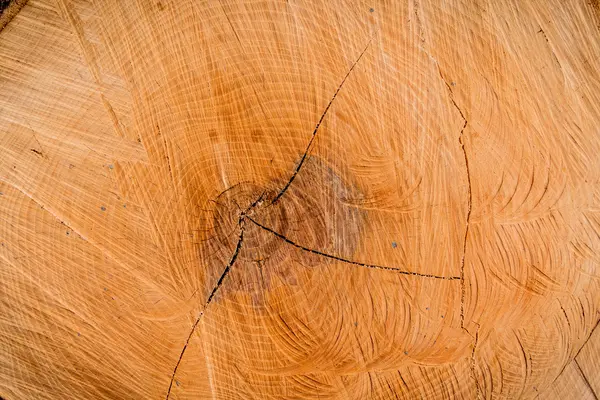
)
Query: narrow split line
[
  {"x": 474, "y": 363},
  {"x": 210, "y": 298},
  {"x": 227, "y": 268},
  {"x": 314, "y": 134},
  {"x": 182, "y": 352},
  {"x": 464, "y": 251},
  {"x": 344, "y": 260},
  {"x": 463, "y": 289},
  {"x": 590, "y": 387},
  {"x": 588, "y": 338},
  {"x": 578, "y": 351}
]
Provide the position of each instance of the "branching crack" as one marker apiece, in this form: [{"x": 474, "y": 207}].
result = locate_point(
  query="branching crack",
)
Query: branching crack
[
  {"x": 245, "y": 215},
  {"x": 373, "y": 266},
  {"x": 314, "y": 134},
  {"x": 210, "y": 297},
  {"x": 469, "y": 202}
]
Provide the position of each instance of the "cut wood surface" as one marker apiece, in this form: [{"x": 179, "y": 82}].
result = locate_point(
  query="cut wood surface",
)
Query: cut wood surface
[{"x": 292, "y": 199}]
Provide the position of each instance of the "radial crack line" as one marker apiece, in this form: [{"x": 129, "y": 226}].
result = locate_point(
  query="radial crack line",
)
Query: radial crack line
[
  {"x": 210, "y": 298},
  {"x": 588, "y": 338},
  {"x": 464, "y": 250},
  {"x": 344, "y": 260},
  {"x": 474, "y": 363},
  {"x": 314, "y": 134},
  {"x": 590, "y": 387},
  {"x": 463, "y": 290}
]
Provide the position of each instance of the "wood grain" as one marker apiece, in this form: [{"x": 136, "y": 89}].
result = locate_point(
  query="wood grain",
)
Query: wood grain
[
  {"x": 8, "y": 10},
  {"x": 300, "y": 200}
]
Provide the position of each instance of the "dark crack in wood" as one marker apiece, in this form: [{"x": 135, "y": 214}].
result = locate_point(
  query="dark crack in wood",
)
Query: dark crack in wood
[
  {"x": 587, "y": 382},
  {"x": 344, "y": 260},
  {"x": 314, "y": 134},
  {"x": 474, "y": 364},
  {"x": 463, "y": 289},
  {"x": 468, "y": 220},
  {"x": 210, "y": 299},
  {"x": 588, "y": 338},
  {"x": 578, "y": 351}
]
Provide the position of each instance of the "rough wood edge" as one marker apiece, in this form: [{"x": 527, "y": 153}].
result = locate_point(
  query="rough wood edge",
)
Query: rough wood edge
[{"x": 9, "y": 12}]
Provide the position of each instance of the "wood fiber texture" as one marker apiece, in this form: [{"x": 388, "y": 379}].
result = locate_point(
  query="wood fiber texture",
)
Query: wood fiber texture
[
  {"x": 8, "y": 9},
  {"x": 292, "y": 199}
]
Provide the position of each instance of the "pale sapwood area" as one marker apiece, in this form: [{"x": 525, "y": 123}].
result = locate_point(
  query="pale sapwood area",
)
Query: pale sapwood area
[{"x": 293, "y": 199}]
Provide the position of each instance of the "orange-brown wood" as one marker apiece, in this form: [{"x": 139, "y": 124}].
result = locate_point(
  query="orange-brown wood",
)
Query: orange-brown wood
[{"x": 300, "y": 200}]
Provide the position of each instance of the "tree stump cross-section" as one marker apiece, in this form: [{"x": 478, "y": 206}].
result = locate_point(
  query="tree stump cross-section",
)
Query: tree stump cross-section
[{"x": 292, "y": 199}]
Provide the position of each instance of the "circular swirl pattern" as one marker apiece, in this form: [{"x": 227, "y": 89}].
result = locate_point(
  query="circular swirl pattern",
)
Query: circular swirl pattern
[{"x": 313, "y": 219}]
